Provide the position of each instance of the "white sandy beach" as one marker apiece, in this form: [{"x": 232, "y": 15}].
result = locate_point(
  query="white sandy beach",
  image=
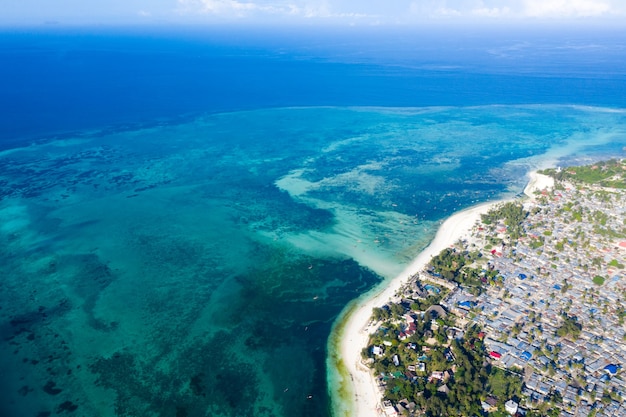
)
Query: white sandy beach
[
  {"x": 538, "y": 182},
  {"x": 356, "y": 332}
]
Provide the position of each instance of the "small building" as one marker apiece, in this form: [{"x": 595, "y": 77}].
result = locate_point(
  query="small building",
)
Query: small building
[
  {"x": 511, "y": 407},
  {"x": 495, "y": 355},
  {"x": 436, "y": 375},
  {"x": 389, "y": 409},
  {"x": 396, "y": 360},
  {"x": 410, "y": 376},
  {"x": 489, "y": 405},
  {"x": 437, "y": 311},
  {"x": 611, "y": 369},
  {"x": 410, "y": 406},
  {"x": 443, "y": 389}
]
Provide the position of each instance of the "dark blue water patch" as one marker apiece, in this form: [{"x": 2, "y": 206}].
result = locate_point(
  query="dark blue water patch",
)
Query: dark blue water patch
[
  {"x": 69, "y": 80},
  {"x": 268, "y": 324},
  {"x": 310, "y": 297}
]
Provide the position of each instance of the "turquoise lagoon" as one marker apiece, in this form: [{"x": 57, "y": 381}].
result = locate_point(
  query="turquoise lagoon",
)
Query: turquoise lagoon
[{"x": 196, "y": 267}]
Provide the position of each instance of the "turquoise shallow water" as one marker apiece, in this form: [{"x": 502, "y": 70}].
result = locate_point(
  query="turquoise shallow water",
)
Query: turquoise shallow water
[{"x": 195, "y": 268}]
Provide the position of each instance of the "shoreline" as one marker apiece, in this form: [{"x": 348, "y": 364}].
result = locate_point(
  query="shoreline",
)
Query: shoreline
[{"x": 362, "y": 396}]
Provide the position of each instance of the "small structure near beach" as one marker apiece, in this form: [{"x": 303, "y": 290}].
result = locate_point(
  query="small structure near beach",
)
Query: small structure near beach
[{"x": 389, "y": 409}]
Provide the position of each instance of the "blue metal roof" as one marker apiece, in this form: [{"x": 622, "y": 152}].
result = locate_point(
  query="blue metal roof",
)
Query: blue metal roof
[{"x": 526, "y": 355}]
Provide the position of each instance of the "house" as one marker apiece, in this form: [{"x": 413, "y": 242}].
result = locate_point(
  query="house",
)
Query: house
[
  {"x": 511, "y": 407},
  {"x": 411, "y": 329},
  {"x": 449, "y": 355},
  {"x": 389, "y": 409},
  {"x": 396, "y": 360},
  {"x": 489, "y": 405},
  {"x": 437, "y": 311},
  {"x": 544, "y": 388},
  {"x": 436, "y": 375},
  {"x": 377, "y": 350},
  {"x": 444, "y": 389},
  {"x": 406, "y": 404}
]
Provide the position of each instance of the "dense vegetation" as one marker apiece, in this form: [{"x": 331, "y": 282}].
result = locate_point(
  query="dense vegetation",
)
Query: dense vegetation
[
  {"x": 450, "y": 263},
  {"x": 456, "y": 266},
  {"x": 570, "y": 327},
  {"x": 396, "y": 310},
  {"x": 469, "y": 377},
  {"x": 512, "y": 214},
  {"x": 610, "y": 173},
  {"x": 598, "y": 280},
  {"x": 503, "y": 384},
  {"x": 465, "y": 388}
]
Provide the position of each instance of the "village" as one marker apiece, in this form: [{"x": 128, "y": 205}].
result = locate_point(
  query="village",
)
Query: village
[{"x": 535, "y": 295}]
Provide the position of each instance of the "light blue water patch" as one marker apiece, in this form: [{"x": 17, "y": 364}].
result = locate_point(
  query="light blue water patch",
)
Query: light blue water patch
[{"x": 196, "y": 268}]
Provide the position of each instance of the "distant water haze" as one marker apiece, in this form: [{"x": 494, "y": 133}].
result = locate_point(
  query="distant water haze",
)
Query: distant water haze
[{"x": 76, "y": 79}]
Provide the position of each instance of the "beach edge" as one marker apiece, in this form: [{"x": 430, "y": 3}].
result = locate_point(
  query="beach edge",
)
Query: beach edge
[{"x": 354, "y": 392}]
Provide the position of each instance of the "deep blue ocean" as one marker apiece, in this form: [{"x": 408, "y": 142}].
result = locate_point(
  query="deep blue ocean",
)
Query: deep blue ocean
[{"x": 185, "y": 212}]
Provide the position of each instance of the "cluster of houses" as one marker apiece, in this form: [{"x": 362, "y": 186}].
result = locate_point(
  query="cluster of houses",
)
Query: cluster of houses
[
  {"x": 413, "y": 371},
  {"x": 545, "y": 277},
  {"x": 542, "y": 284}
]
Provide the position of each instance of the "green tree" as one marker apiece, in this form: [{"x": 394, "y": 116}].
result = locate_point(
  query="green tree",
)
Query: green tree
[{"x": 569, "y": 328}]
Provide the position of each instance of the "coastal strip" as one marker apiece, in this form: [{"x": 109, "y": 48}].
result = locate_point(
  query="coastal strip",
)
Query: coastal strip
[{"x": 355, "y": 384}]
